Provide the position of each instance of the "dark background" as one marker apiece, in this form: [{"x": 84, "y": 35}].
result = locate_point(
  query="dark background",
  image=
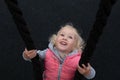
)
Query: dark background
[{"x": 44, "y": 18}]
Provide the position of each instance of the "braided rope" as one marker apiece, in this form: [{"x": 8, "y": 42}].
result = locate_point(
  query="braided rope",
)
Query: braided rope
[
  {"x": 25, "y": 34},
  {"x": 102, "y": 15}
]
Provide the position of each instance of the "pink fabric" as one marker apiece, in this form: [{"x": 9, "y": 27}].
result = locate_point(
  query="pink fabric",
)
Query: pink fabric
[{"x": 52, "y": 66}]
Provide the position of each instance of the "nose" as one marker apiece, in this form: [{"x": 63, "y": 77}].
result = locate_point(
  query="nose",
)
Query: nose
[{"x": 64, "y": 38}]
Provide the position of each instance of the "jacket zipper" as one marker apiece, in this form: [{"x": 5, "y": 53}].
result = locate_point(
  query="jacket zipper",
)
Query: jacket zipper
[
  {"x": 59, "y": 71},
  {"x": 60, "y": 68}
]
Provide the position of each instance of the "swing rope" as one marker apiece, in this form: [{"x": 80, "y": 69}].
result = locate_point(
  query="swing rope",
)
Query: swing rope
[
  {"x": 25, "y": 34},
  {"x": 102, "y": 16}
]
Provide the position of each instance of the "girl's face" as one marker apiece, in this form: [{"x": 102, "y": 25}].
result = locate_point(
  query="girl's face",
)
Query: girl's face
[{"x": 65, "y": 40}]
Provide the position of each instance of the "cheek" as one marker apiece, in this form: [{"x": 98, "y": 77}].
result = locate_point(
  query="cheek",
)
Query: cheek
[
  {"x": 56, "y": 41},
  {"x": 57, "y": 38},
  {"x": 73, "y": 43}
]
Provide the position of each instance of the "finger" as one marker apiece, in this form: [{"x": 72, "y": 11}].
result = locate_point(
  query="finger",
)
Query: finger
[
  {"x": 79, "y": 68},
  {"x": 89, "y": 65},
  {"x": 29, "y": 56},
  {"x": 29, "y": 53},
  {"x": 26, "y": 49},
  {"x": 84, "y": 66},
  {"x": 32, "y": 53}
]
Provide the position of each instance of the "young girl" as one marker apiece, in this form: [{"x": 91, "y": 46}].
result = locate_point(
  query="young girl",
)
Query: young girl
[{"x": 62, "y": 56}]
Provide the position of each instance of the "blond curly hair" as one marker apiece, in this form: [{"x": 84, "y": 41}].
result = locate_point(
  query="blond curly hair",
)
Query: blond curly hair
[{"x": 79, "y": 43}]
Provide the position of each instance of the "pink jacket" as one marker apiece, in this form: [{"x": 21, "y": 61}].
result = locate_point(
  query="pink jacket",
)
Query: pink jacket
[{"x": 55, "y": 70}]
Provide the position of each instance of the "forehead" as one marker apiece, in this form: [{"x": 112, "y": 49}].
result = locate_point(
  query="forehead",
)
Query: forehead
[{"x": 68, "y": 29}]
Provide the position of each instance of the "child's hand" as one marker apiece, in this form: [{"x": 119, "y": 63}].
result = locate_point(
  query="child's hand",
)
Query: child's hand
[
  {"x": 84, "y": 70},
  {"x": 29, "y": 54}
]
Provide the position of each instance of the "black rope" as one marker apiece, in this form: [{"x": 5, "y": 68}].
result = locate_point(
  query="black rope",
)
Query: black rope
[
  {"x": 25, "y": 34},
  {"x": 102, "y": 15}
]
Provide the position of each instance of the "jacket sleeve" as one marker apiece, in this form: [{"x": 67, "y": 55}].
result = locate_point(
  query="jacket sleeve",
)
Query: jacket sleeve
[
  {"x": 92, "y": 73},
  {"x": 41, "y": 53}
]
